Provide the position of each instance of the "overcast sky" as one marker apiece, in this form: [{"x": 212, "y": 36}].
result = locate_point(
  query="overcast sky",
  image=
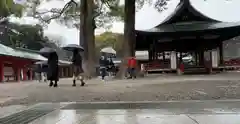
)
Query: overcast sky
[{"x": 148, "y": 17}]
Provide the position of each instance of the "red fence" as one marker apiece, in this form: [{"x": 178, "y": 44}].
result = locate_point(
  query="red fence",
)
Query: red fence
[
  {"x": 232, "y": 62},
  {"x": 157, "y": 65}
]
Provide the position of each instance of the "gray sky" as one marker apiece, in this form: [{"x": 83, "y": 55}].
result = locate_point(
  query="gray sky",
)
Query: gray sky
[
  {"x": 70, "y": 35},
  {"x": 147, "y": 18}
]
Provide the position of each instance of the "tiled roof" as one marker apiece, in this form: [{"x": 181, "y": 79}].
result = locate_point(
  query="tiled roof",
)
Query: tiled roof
[{"x": 8, "y": 51}]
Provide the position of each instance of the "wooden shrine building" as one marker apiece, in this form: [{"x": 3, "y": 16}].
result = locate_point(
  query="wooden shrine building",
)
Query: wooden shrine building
[{"x": 187, "y": 32}]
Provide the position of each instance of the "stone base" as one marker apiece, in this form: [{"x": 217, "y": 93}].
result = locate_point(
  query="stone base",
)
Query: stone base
[
  {"x": 209, "y": 70},
  {"x": 179, "y": 72}
]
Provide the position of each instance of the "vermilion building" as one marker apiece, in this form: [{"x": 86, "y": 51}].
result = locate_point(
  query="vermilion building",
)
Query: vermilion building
[{"x": 16, "y": 64}]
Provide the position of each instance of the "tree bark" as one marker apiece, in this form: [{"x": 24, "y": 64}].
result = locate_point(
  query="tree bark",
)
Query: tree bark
[
  {"x": 91, "y": 39},
  {"x": 129, "y": 35},
  {"x": 83, "y": 38},
  {"x": 87, "y": 37},
  {"x": 83, "y": 20}
]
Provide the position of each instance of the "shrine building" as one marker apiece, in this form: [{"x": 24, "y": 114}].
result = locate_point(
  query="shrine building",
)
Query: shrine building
[{"x": 186, "y": 32}]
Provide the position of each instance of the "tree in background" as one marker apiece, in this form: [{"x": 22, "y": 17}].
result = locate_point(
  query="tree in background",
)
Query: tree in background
[
  {"x": 56, "y": 39},
  {"x": 31, "y": 37},
  {"x": 8, "y": 7},
  {"x": 109, "y": 39},
  {"x": 25, "y": 36}
]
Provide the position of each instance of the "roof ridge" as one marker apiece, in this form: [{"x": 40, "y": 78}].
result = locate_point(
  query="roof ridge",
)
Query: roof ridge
[{"x": 26, "y": 50}]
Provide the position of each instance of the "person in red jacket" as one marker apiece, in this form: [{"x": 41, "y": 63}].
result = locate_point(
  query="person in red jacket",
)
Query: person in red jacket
[{"x": 132, "y": 64}]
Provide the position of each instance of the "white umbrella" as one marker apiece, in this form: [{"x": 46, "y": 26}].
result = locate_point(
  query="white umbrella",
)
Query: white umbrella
[
  {"x": 21, "y": 2},
  {"x": 108, "y": 50},
  {"x": 72, "y": 47}
]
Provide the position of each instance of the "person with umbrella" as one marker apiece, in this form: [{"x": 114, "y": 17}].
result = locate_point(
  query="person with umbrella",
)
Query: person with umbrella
[
  {"x": 76, "y": 62},
  {"x": 52, "y": 73},
  {"x": 111, "y": 66},
  {"x": 41, "y": 69},
  {"x": 103, "y": 63},
  {"x": 52, "y": 62}
]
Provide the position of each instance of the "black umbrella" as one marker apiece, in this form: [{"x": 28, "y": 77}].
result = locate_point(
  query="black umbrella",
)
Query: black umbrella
[
  {"x": 72, "y": 47},
  {"x": 46, "y": 51}
]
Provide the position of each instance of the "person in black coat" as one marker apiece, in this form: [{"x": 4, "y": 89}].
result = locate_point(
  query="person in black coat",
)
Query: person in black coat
[
  {"x": 111, "y": 67},
  {"x": 52, "y": 73},
  {"x": 103, "y": 63},
  {"x": 77, "y": 68}
]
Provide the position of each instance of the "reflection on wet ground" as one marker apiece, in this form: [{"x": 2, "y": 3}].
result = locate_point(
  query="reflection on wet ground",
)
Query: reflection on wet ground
[
  {"x": 188, "y": 112},
  {"x": 133, "y": 117}
]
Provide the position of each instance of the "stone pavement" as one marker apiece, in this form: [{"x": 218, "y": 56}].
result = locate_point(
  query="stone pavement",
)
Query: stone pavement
[
  {"x": 151, "y": 88},
  {"x": 165, "y": 112}
]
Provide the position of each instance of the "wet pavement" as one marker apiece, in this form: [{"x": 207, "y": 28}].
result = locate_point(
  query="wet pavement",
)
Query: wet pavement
[
  {"x": 166, "y": 112},
  {"x": 105, "y": 103}
]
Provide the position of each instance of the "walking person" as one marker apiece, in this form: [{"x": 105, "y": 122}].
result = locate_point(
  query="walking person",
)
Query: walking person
[
  {"x": 132, "y": 64},
  {"x": 110, "y": 67},
  {"x": 43, "y": 72},
  {"x": 52, "y": 72},
  {"x": 103, "y": 63},
  {"x": 77, "y": 68}
]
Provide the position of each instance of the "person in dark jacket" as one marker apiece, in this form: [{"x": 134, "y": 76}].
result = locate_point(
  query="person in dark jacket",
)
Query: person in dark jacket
[
  {"x": 103, "y": 63},
  {"x": 77, "y": 68},
  {"x": 52, "y": 73},
  {"x": 111, "y": 66}
]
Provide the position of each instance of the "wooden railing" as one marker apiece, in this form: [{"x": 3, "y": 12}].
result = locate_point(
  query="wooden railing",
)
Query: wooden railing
[{"x": 157, "y": 65}]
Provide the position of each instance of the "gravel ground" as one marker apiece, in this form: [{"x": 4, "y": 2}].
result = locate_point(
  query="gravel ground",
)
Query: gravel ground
[{"x": 152, "y": 88}]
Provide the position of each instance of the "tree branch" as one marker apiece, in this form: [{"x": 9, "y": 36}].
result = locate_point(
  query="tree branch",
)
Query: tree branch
[
  {"x": 100, "y": 12},
  {"x": 56, "y": 14}
]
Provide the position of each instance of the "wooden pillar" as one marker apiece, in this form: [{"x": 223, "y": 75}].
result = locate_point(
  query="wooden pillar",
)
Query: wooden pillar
[
  {"x": 31, "y": 74},
  {"x": 163, "y": 54},
  {"x": 69, "y": 71},
  {"x": 65, "y": 72},
  {"x": 1, "y": 71},
  {"x": 208, "y": 61},
  {"x": 180, "y": 69},
  {"x": 196, "y": 58},
  {"x": 210, "y": 64},
  {"x": 201, "y": 57},
  {"x": 153, "y": 54},
  {"x": 62, "y": 72},
  {"x": 164, "y": 60},
  {"x": 17, "y": 73},
  {"x": 221, "y": 53},
  {"x": 155, "y": 50},
  {"x": 181, "y": 56},
  {"x": 149, "y": 55},
  {"x": 24, "y": 74}
]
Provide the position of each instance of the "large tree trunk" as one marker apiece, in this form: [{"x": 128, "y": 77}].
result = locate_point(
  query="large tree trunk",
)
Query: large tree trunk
[
  {"x": 87, "y": 37},
  {"x": 83, "y": 38},
  {"x": 129, "y": 35},
  {"x": 91, "y": 39}
]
